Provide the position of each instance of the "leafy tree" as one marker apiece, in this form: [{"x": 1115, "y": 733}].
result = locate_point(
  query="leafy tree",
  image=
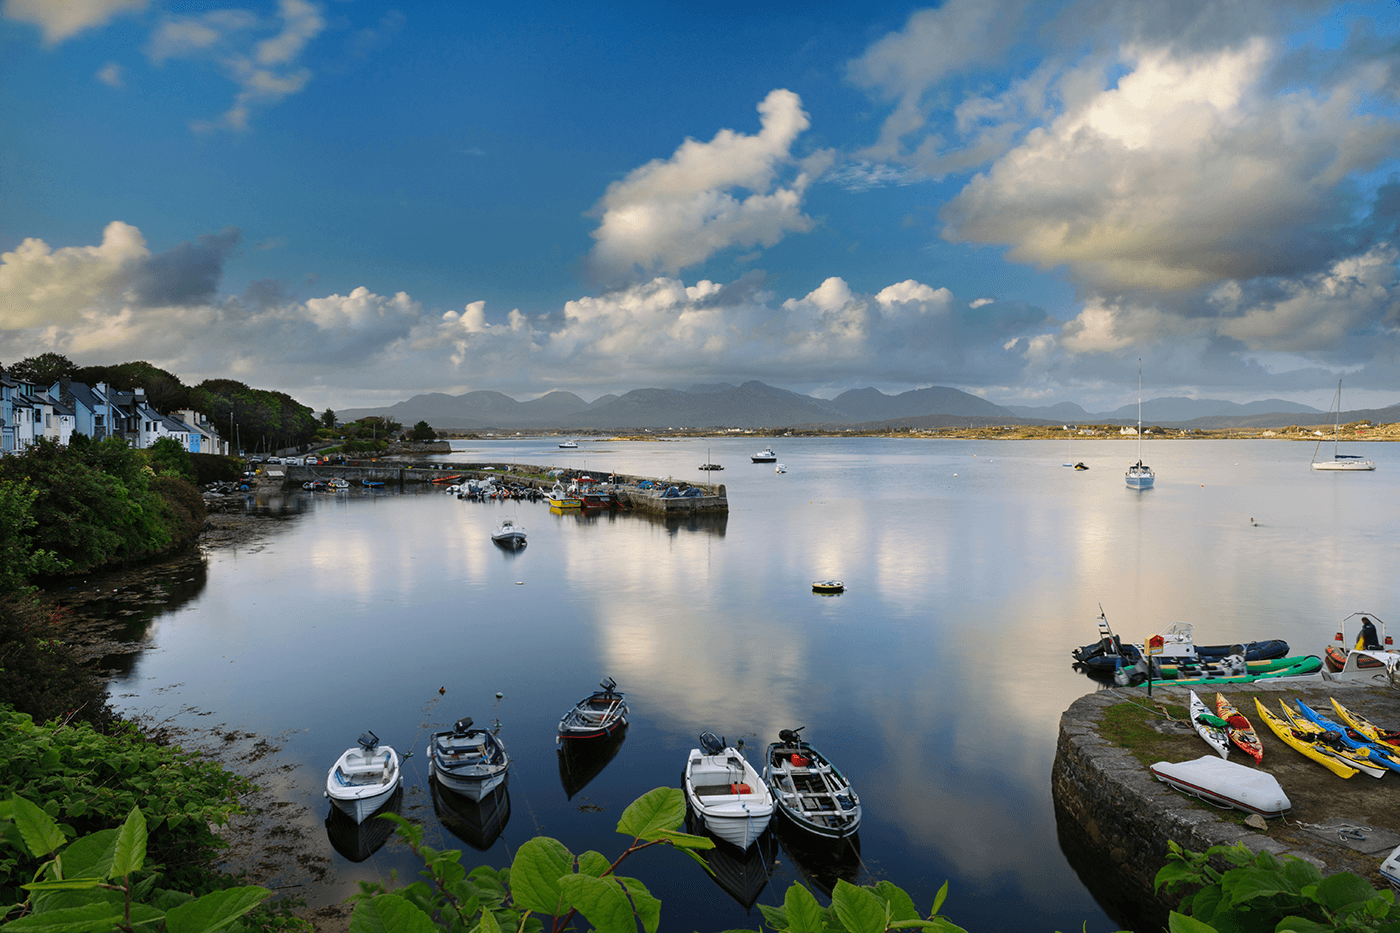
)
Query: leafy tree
[
  {"x": 19, "y": 559},
  {"x": 328, "y": 418},
  {"x": 422, "y": 431},
  {"x": 44, "y": 369},
  {"x": 167, "y": 456}
]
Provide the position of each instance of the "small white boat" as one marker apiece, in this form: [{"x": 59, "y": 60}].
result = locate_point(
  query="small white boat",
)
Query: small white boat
[
  {"x": 363, "y": 777},
  {"x": 1139, "y": 475},
  {"x": 339, "y": 483},
  {"x": 808, "y": 789},
  {"x": 765, "y": 455},
  {"x": 725, "y": 793},
  {"x": 1369, "y": 658},
  {"x": 1226, "y": 783},
  {"x": 1346, "y": 463},
  {"x": 472, "y": 762},
  {"x": 509, "y": 534},
  {"x": 561, "y": 498},
  {"x": 1207, "y": 726},
  {"x": 596, "y": 716},
  {"x": 569, "y": 445},
  {"x": 780, "y": 468}
]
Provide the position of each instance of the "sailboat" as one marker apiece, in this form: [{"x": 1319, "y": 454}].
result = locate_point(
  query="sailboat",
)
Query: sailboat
[
  {"x": 1348, "y": 462},
  {"x": 1139, "y": 475}
]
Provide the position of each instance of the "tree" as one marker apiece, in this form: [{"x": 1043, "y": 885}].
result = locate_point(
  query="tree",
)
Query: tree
[
  {"x": 328, "y": 418},
  {"x": 422, "y": 431},
  {"x": 168, "y": 457},
  {"x": 44, "y": 369}
]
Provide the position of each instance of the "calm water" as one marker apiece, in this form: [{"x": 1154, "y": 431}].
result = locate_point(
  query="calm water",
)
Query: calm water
[{"x": 936, "y": 680}]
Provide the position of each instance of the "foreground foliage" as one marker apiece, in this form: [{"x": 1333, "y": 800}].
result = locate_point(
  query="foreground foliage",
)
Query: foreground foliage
[{"x": 1261, "y": 893}]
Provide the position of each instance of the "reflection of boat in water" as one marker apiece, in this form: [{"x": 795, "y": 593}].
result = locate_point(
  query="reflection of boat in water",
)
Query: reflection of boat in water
[
  {"x": 822, "y": 861},
  {"x": 358, "y": 841},
  {"x": 581, "y": 760},
  {"x": 741, "y": 875},
  {"x": 478, "y": 823}
]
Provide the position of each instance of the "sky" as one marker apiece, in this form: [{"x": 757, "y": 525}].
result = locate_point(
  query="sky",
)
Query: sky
[{"x": 355, "y": 203}]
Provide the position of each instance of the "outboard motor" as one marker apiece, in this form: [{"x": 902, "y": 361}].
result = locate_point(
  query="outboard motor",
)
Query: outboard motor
[
  {"x": 711, "y": 744},
  {"x": 1131, "y": 676},
  {"x": 608, "y": 685},
  {"x": 1233, "y": 665},
  {"x": 368, "y": 741},
  {"x": 461, "y": 726},
  {"x": 790, "y": 736}
]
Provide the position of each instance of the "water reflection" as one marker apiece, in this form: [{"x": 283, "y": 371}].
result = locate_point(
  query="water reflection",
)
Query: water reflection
[
  {"x": 478, "y": 823},
  {"x": 741, "y": 875},
  {"x": 581, "y": 760},
  {"x": 358, "y": 841},
  {"x": 821, "y": 862}
]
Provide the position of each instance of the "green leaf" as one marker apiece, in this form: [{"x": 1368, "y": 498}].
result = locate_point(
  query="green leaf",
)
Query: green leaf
[
  {"x": 593, "y": 863},
  {"x": 655, "y": 812},
  {"x": 1180, "y": 923},
  {"x": 687, "y": 840},
  {"x": 41, "y": 834},
  {"x": 1174, "y": 873},
  {"x": 535, "y": 875},
  {"x": 646, "y": 906},
  {"x": 213, "y": 911},
  {"x": 488, "y": 923},
  {"x": 900, "y": 903},
  {"x": 602, "y": 903},
  {"x": 89, "y": 857},
  {"x": 1242, "y": 885},
  {"x": 390, "y": 913},
  {"x": 804, "y": 914},
  {"x": 130, "y": 852},
  {"x": 1344, "y": 889},
  {"x": 775, "y": 916},
  {"x": 1303, "y": 925},
  {"x": 858, "y": 909},
  {"x": 938, "y": 899},
  {"x": 75, "y": 884},
  {"x": 90, "y": 918}
]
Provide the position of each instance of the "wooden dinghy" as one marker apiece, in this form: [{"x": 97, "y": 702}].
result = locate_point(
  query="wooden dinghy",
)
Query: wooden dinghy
[
  {"x": 1225, "y": 783},
  {"x": 1303, "y": 744},
  {"x": 1210, "y": 727},
  {"x": 1239, "y": 728},
  {"x": 808, "y": 789},
  {"x": 596, "y": 716}
]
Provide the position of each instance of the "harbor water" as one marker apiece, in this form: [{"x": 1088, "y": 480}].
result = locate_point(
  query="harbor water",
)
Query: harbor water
[{"x": 935, "y": 680}]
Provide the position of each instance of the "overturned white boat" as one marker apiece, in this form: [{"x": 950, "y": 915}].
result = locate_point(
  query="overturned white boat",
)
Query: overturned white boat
[
  {"x": 725, "y": 793},
  {"x": 363, "y": 777},
  {"x": 1226, "y": 783}
]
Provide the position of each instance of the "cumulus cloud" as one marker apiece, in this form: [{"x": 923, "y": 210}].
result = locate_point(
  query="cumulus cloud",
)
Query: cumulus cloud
[
  {"x": 63, "y": 19},
  {"x": 40, "y": 286},
  {"x": 677, "y": 212},
  {"x": 110, "y": 74}
]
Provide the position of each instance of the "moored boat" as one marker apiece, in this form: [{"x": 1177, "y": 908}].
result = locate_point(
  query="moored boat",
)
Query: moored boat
[
  {"x": 1226, "y": 783},
  {"x": 1178, "y": 647},
  {"x": 363, "y": 778},
  {"x": 828, "y": 586},
  {"x": 560, "y": 498},
  {"x": 765, "y": 455},
  {"x": 726, "y": 795},
  {"x": 509, "y": 534},
  {"x": 469, "y": 761},
  {"x": 1369, "y": 655},
  {"x": 597, "y": 715},
  {"x": 808, "y": 789}
]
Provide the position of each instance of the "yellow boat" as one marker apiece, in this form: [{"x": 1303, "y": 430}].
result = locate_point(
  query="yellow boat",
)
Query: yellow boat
[
  {"x": 1366, "y": 727},
  {"x": 1306, "y": 747},
  {"x": 1359, "y": 758}
]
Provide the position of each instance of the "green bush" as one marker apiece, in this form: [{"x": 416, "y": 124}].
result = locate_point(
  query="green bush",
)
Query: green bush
[
  {"x": 167, "y": 457},
  {"x": 39, "y": 676},
  {"x": 215, "y": 468}
]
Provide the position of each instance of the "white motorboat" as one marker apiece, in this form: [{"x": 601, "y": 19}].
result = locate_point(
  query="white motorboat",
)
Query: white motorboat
[
  {"x": 363, "y": 777},
  {"x": 596, "y": 716},
  {"x": 780, "y": 468},
  {"x": 569, "y": 445},
  {"x": 726, "y": 795},
  {"x": 1370, "y": 657},
  {"x": 472, "y": 762},
  {"x": 1347, "y": 463},
  {"x": 509, "y": 534},
  {"x": 561, "y": 498},
  {"x": 1139, "y": 475},
  {"x": 338, "y": 483},
  {"x": 765, "y": 455},
  {"x": 1225, "y": 783},
  {"x": 808, "y": 789}
]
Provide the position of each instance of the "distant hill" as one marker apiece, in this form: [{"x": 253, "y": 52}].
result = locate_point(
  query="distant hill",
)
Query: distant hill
[{"x": 758, "y": 405}]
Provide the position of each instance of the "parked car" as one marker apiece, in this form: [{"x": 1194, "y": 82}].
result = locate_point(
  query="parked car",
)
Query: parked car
[
  {"x": 312, "y": 461},
  {"x": 274, "y": 459}
]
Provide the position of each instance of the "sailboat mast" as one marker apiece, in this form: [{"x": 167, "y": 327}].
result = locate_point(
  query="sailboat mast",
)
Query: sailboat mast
[{"x": 1139, "y": 411}]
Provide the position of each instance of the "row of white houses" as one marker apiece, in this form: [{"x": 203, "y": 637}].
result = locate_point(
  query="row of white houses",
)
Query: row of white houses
[{"x": 29, "y": 412}]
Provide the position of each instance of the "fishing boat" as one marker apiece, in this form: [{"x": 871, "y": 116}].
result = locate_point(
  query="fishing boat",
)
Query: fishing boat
[
  {"x": 765, "y": 455},
  {"x": 560, "y": 498},
  {"x": 1178, "y": 647},
  {"x": 468, "y": 761},
  {"x": 1226, "y": 783},
  {"x": 363, "y": 778},
  {"x": 1346, "y": 463},
  {"x": 568, "y": 445},
  {"x": 711, "y": 466},
  {"x": 1376, "y": 754},
  {"x": 725, "y": 793},
  {"x": 1369, "y": 653},
  {"x": 780, "y": 468},
  {"x": 1210, "y": 727},
  {"x": 357, "y": 841},
  {"x": 597, "y": 715},
  {"x": 1239, "y": 729},
  {"x": 1365, "y": 726},
  {"x": 1331, "y": 743},
  {"x": 1139, "y": 475},
  {"x": 828, "y": 586},
  {"x": 1304, "y": 743},
  {"x": 508, "y": 534},
  {"x": 808, "y": 789}
]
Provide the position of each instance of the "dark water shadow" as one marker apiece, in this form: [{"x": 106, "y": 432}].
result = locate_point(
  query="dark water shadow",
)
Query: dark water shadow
[
  {"x": 581, "y": 760},
  {"x": 358, "y": 841},
  {"x": 478, "y": 823},
  {"x": 741, "y": 875},
  {"x": 822, "y": 862},
  {"x": 1119, "y": 896}
]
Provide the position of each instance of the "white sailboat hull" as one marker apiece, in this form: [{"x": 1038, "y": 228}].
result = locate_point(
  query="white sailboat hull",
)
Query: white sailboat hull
[{"x": 1350, "y": 466}]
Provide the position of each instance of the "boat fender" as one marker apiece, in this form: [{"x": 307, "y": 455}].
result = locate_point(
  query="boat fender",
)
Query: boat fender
[
  {"x": 740, "y": 789},
  {"x": 799, "y": 762}
]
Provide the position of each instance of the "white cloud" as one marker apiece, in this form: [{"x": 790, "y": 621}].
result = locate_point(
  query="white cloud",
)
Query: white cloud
[
  {"x": 63, "y": 19},
  {"x": 40, "y": 286},
  {"x": 110, "y": 74},
  {"x": 674, "y": 213}
]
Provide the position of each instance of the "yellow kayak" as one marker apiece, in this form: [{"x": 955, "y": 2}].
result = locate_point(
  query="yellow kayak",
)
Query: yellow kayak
[
  {"x": 1304, "y": 746},
  {"x": 1366, "y": 727},
  {"x": 1359, "y": 758}
]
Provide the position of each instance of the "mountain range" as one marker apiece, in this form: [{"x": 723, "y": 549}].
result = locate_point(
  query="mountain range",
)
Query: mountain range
[{"x": 757, "y": 405}]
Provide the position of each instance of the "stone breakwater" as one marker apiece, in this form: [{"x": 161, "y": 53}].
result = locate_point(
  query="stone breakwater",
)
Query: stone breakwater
[{"x": 1115, "y": 819}]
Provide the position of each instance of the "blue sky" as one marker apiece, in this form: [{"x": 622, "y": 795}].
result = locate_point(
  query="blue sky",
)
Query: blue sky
[{"x": 355, "y": 203}]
